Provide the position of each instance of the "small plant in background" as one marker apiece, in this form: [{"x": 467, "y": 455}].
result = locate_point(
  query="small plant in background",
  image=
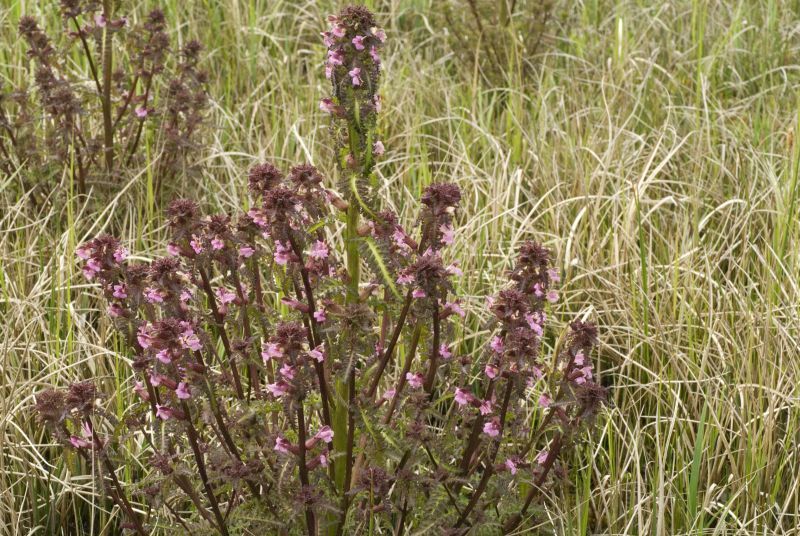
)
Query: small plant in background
[
  {"x": 288, "y": 387},
  {"x": 498, "y": 37},
  {"x": 92, "y": 125}
]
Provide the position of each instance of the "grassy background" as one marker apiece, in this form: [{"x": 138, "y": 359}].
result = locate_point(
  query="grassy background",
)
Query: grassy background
[{"x": 655, "y": 152}]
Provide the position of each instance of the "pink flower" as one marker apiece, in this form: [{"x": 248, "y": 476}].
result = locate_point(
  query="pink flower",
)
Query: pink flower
[
  {"x": 141, "y": 112},
  {"x": 552, "y": 296},
  {"x": 580, "y": 358},
  {"x": 463, "y": 397},
  {"x": 217, "y": 243},
  {"x": 400, "y": 240},
  {"x": 545, "y": 400},
  {"x": 225, "y": 296},
  {"x": 358, "y": 42},
  {"x": 183, "y": 392},
  {"x": 534, "y": 323},
  {"x": 92, "y": 268},
  {"x": 282, "y": 445},
  {"x": 414, "y": 379},
  {"x": 120, "y": 254},
  {"x": 143, "y": 336},
  {"x": 164, "y": 356},
  {"x": 115, "y": 310},
  {"x": 453, "y": 269},
  {"x": 155, "y": 379},
  {"x": 325, "y": 434},
  {"x": 542, "y": 457},
  {"x": 373, "y": 53},
  {"x": 405, "y": 279},
  {"x": 186, "y": 295},
  {"x": 327, "y": 38},
  {"x": 552, "y": 273},
  {"x": 190, "y": 340},
  {"x": 287, "y": 371},
  {"x": 319, "y": 315},
  {"x": 197, "y": 244},
  {"x": 445, "y": 352},
  {"x": 323, "y": 459},
  {"x": 83, "y": 252},
  {"x": 511, "y": 466},
  {"x": 486, "y": 407},
  {"x": 246, "y": 252},
  {"x": 538, "y": 373},
  {"x": 378, "y": 148},
  {"x": 163, "y": 412},
  {"x": 100, "y": 20},
  {"x": 335, "y": 58},
  {"x": 328, "y": 71},
  {"x": 491, "y": 371},
  {"x": 377, "y": 103},
  {"x": 355, "y": 76},
  {"x": 492, "y": 428},
  {"x": 153, "y": 295},
  {"x": 338, "y": 31},
  {"x": 453, "y": 308},
  {"x": 497, "y": 344},
  {"x": 278, "y": 389},
  {"x": 271, "y": 349},
  {"x": 140, "y": 390},
  {"x": 173, "y": 249},
  {"x": 319, "y": 250},
  {"x": 120, "y": 291},
  {"x": 78, "y": 443},
  {"x": 380, "y": 34},
  {"x": 418, "y": 293},
  {"x": 389, "y": 394},
  {"x": 538, "y": 291},
  {"x": 327, "y": 105},
  {"x": 317, "y": 353},
  {"x": 282, "y": 253},
  {"x": 448, "y": 234}
]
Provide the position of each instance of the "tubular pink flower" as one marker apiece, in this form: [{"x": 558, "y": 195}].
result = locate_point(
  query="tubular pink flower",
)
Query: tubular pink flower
[
  {"x": 164, "y": 356},
  {"x": 463, "y": 397},
  {"x": 317, "y": 353},
  {"x": 355, "y": 76},
  {"x": 319, "y": 250},
  {"x": 491, "y": 371},
  {"x": 183, "y": 392},
  {"x": 271, "y": 350},
  {"x": 448, "y": 234},
  {"x": 164, "y": 412},
  {"x": 492, "y": 428},
  {"x": 325, "y": 434},
  {"x": 414, "y": 379},
  {"x": 327, "y": 105},
  {"x": 497, "y": 344},
  {"x": 358, "y": 42},
  {"x": 545, "y": 400},
  {"x": 120, "y": 291},
  {"x": 278, "y": 389},
  {"x": 511, "y": 466}
]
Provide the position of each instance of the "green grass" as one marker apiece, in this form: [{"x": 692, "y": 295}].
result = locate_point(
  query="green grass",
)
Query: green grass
[{"x": 655, "y": 152}]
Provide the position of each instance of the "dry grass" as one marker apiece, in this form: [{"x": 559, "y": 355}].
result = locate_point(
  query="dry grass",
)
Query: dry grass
[{"x": 654, "y": 152}]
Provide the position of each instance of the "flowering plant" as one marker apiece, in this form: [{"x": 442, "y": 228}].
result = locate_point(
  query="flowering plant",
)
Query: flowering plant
[
  {"x": 96, "y": 122},
  {"x": 285, "y": 385}
]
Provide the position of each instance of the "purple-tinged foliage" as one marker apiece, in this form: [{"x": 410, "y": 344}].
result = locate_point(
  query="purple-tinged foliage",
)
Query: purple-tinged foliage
[{"x": 284, "y": 382}]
